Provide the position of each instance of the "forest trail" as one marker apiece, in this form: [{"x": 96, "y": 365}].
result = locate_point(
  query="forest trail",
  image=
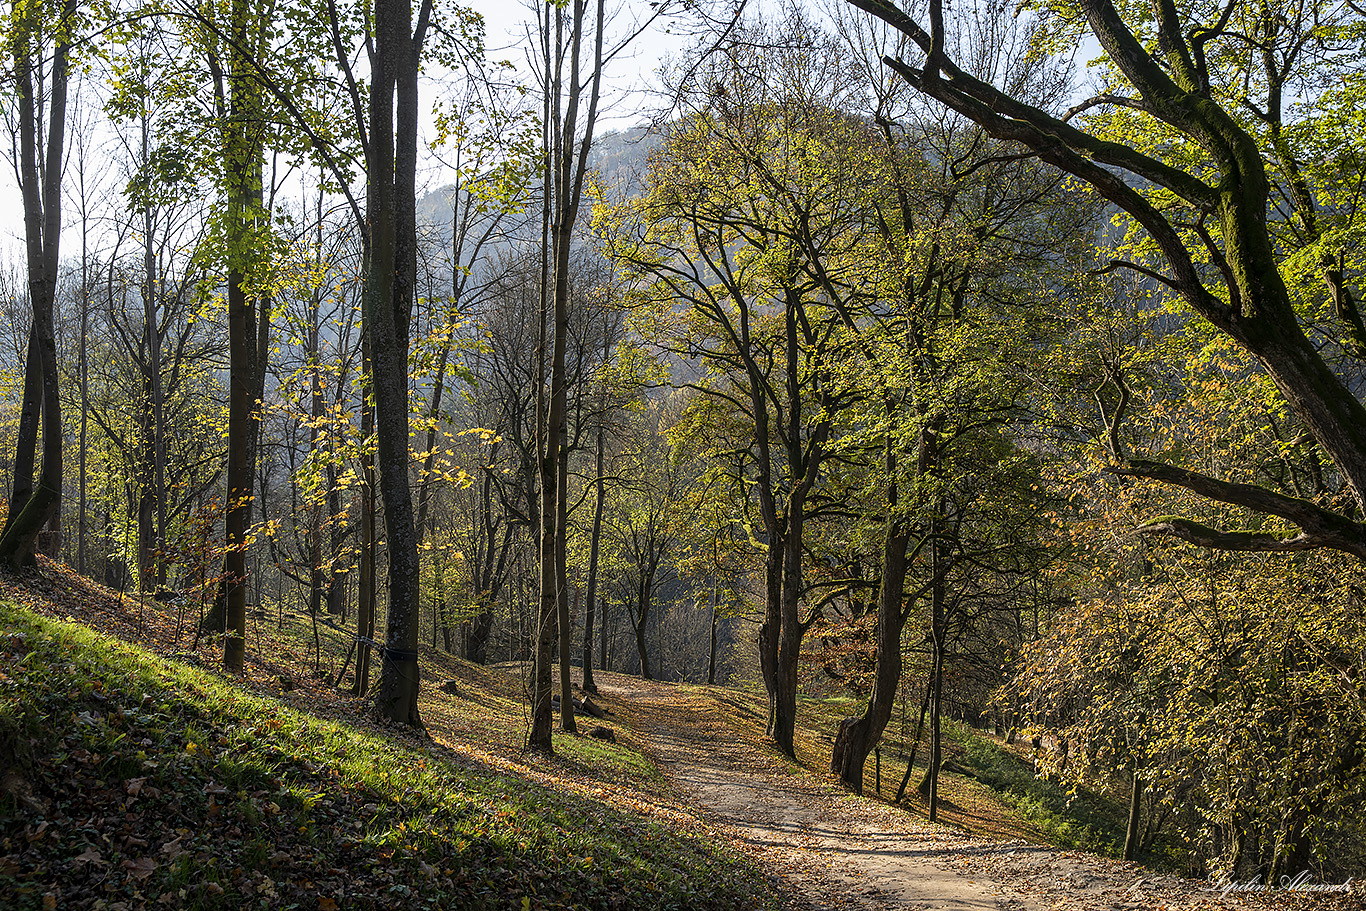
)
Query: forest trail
[
  {"x": 839, "y": 850},
  {"x": 845, "y": 852}
]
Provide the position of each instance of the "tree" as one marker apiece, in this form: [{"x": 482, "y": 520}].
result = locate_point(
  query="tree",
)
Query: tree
[
  {"x": 1205, "y": 166},
  {"x": 41, "y": 153},
  {"x": 957, "y": 242},
  {"x": 748, "y": 196},
  {"x": 572, "y": 74},
  {"x": 649, "y": 520},
  {"x": 390, "y": 287}
]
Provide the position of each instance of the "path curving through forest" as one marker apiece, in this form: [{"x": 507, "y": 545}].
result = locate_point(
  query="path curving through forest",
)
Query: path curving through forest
[{"x": 837, "y": 851}]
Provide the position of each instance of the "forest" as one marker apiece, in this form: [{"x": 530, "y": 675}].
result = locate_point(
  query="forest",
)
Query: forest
[{"x": 991, "y": 366}]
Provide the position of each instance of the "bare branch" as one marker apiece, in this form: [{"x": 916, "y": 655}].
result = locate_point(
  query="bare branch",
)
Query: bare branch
[
  {"x": 1117, "y": 264},
  {"x": 1107, "y": 98}
]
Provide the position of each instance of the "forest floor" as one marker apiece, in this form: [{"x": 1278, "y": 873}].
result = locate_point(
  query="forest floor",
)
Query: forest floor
[{"x": 690, "y": 769}]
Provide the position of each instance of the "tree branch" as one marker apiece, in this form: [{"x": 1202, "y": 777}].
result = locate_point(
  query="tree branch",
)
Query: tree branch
[
  {"x": 1106, "y": 98},
  {"x": 1244, "y": 541},
  {"x": 1319, "y": 527}
]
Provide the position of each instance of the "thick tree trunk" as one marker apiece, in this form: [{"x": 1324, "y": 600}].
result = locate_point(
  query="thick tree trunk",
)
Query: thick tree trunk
[
  {"x": 477, "y": 640},
  {"x": 391, "y": 277},
  {"x": 40, "y": 184},
  {"x": 790, "y": 639},
  {"x": 857, "y": 737},
  {"x": 772, "y": 625}
]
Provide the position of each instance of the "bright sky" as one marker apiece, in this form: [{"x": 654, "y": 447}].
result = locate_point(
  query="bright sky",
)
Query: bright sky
[
  {"x": 630, "y": 80},
  {"x": 506, "y": 26}
]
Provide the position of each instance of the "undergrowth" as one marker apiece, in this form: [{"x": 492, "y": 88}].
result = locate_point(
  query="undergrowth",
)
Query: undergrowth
[{"x": 1078, "y": 819}]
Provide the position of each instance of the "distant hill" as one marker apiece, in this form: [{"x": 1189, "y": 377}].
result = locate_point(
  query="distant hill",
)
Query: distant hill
[{"x": 618, "y": 157}]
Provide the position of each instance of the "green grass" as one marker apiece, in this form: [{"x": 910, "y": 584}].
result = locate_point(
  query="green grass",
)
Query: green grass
[
  {"x": 1080, "y": 819},
  {"x": 604, "y": 760},
  {"x": 142, "y": 780}
]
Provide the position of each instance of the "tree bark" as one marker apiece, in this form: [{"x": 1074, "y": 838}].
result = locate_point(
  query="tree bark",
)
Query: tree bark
[
  {"x": 857, "y": 739},
  {"x": 570, "y": 161},
  {"x": 40, "y": 184},
  {"x": 390, "y": 283},
  {"x": 1131, "y": 833},
  {"x": 593, "y": 551},
  {"x": 26, "y": 440}
]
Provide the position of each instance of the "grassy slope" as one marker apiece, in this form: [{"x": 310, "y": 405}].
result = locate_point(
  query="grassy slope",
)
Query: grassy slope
[{"x": 141, "y": 780}]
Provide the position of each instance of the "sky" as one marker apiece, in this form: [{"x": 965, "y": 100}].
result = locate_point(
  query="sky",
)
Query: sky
[
  {"x": 506, "y": 24},
  {"x": 632, "y": 79}
]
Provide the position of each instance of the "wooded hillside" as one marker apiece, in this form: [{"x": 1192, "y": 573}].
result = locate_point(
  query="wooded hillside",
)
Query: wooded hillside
[{"x": 903, "y": 359}]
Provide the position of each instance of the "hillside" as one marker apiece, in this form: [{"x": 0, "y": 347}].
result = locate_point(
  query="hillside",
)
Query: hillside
[
  {"x": 137, "y": 780},
  {"x": 137, "y": 776}
]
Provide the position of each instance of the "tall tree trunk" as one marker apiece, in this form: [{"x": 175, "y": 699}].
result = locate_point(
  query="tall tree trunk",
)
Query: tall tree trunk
[
  {"x": 151, "y": 468},
  {"x": 317, "y": 578},
  {"x": 26, "y": 441},
  {"x": 565, "y": 619},
  {"x": 365, "y": 589},
  {"x": 929, "y": 787},
  {"x": 1131, "y": 833},
  {"x": 790, "y": 637},
  {"x": 40, "y": 183},
  {"x": 82, "y": 369},
  {"x": 569, "y": 161},
  {"x": 243, "y": 163},
  {"x": 591, "y": 597},
  {"x": 391, "y": 278}
]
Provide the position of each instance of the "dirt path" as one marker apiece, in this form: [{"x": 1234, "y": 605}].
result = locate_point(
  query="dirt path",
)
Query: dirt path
[{"x": 845, "y": 852}]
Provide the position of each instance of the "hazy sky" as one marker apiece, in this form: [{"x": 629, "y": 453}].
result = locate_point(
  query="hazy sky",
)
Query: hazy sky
[{"x": 507, "y": 23}]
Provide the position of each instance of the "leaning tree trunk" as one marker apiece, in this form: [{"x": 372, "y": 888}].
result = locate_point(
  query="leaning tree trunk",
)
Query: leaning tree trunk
[{"x": 858, "y": 736}]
